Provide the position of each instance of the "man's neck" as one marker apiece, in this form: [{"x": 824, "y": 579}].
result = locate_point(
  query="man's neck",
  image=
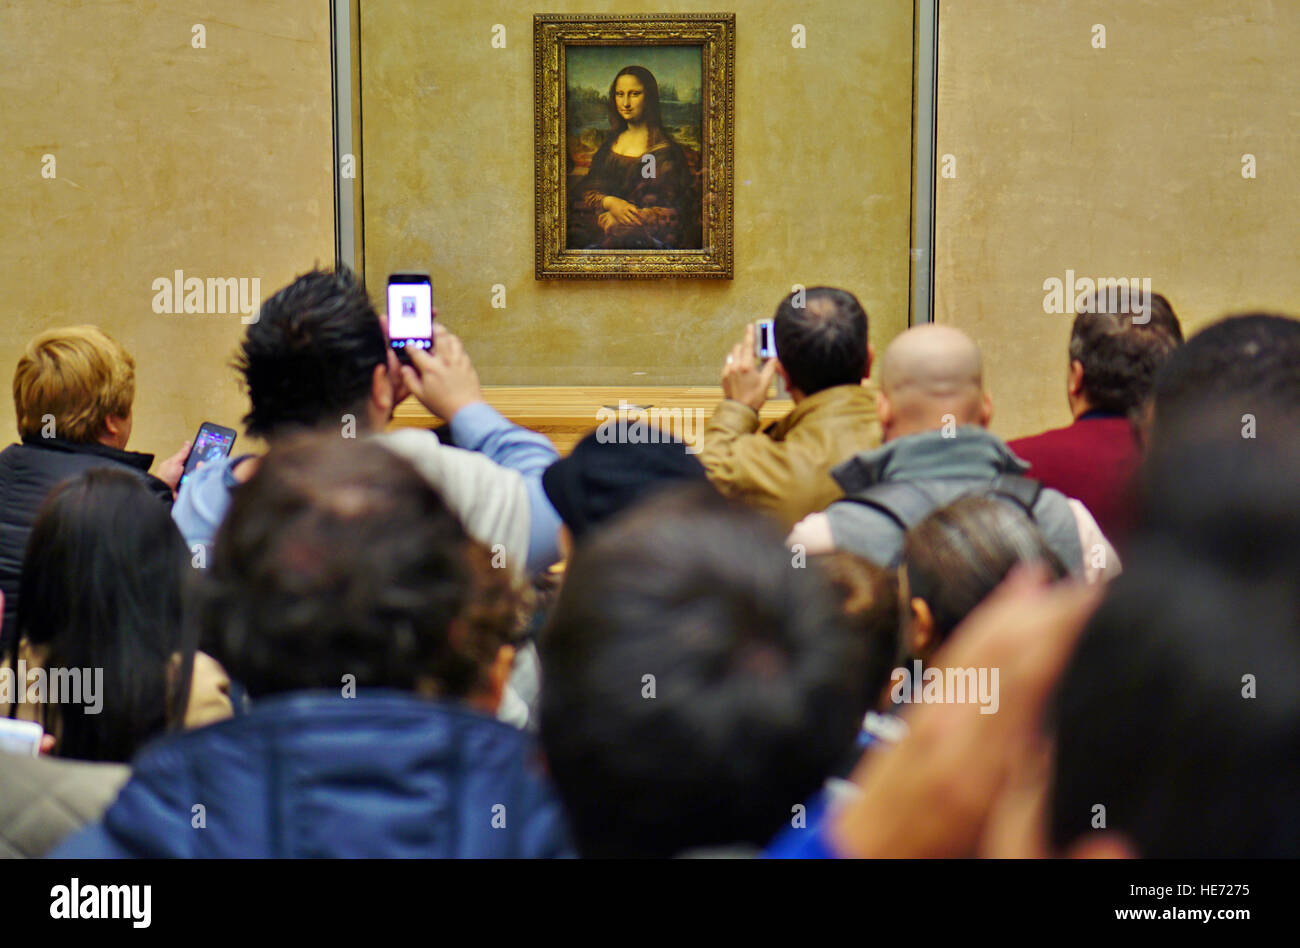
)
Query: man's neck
[
  {"x": 905, "y": 431},
  {"x": 1079, "y": 406}
]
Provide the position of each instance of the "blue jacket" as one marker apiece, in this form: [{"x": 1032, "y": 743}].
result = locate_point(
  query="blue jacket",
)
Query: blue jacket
[{"x": 313, "y": 774}]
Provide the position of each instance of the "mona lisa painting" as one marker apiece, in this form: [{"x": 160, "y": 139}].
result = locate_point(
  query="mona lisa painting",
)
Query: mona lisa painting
[{"x": 634, "y": 128}]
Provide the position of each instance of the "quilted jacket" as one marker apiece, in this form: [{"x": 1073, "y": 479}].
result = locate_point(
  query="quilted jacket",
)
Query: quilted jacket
[
  {"x": 312, "y": 774},
  {"x": 28, "y": 471},
  {"x": 44, "y": 799}
]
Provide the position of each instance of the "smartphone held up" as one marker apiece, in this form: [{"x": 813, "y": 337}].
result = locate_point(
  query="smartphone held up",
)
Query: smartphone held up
[
  {"x": 212, "y": 443},
  {"x": 410, "y": 313},
  {"x": 765, "y": 340}
]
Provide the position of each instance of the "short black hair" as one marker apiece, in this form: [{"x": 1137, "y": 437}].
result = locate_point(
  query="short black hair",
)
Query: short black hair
[
  {"x": 310, "y": 357},
  {"x": 1245, "y": 364},
  {"x": 103, "y": 587},
  {"x": 758, "y": 680},
  {"x": 335, "y": 559},
  {"x": 1155, "y": 718},
  {"x": 1222, "y": 497},
  {"x": 1120, "y": 355},
  {"x": 822, "y": 343}
]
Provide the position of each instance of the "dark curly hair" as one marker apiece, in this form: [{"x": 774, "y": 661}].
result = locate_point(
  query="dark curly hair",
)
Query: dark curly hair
[
  {"x": 337, "y": 558},
  {"x": 761, "y": 679},
  {"x": 311, "y": 355},
  {"x": 1120, "y": 355}
]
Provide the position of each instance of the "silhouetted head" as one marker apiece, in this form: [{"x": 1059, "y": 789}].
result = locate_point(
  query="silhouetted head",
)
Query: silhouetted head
[{"x": 698, "y": 685}]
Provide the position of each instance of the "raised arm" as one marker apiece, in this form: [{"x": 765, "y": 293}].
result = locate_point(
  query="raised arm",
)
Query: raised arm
[{"x": 447, "y": 384}]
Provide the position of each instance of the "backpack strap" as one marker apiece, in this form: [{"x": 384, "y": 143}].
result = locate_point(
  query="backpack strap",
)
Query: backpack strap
[
  {"x": 903, "y": 502},
  {"x": 1020, "y": 490}
]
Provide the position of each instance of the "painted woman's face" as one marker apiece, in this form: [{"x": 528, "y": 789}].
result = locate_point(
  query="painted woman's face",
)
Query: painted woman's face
[{"x": 629, "y": 98}]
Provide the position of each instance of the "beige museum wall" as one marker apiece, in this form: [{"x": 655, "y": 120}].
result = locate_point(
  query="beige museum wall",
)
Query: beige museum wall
[
  {"x": 1109, "y": 162},
  {"x": 822, "y": 164},
  {"x": 1123, "y": 161},
  {"x": 214, "y": 161}
]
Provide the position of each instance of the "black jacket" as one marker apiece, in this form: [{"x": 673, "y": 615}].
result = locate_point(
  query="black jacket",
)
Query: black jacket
[{"x": 28, "y": 472}]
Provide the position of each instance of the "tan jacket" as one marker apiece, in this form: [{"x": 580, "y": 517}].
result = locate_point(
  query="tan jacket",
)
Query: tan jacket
[
  {"x": 44, "y": 799},
  {"x": 786, "y": 469}
]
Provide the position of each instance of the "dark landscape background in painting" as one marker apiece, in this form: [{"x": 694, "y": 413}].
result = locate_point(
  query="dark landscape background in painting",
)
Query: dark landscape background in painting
[{"x": 590, "y": 69}]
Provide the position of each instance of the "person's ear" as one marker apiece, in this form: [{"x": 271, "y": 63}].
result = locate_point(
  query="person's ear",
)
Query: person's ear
[
  {"x": 922, "y": 626},
  {"x": 1074, "y": 378},
  {"x": 114, "y": 426},
  {"x": 884, "y": 410},
  {"x": 986, "y": 409},
  {"x": 780, "y": 370},
  {"x": 1106, "y": 844},
  {"x": 381, "y": 396},
  {"x": 871, "y": 358}
]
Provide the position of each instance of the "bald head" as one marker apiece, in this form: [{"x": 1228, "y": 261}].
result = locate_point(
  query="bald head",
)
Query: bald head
[{"x": 928, "y": 372}]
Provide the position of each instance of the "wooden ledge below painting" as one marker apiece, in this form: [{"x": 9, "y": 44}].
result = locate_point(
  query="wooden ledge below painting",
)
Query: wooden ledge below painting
[{"x": 565, "y": 414}]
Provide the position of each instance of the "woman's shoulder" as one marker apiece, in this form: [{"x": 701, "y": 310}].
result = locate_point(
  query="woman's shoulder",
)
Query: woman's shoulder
[
  {"x": 663, "y": 145},
  {"x": 658, "y": 139}
]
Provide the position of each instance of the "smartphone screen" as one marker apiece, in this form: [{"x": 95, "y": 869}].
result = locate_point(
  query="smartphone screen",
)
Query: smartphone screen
[
  {"x": 212, "y": 443},
  {"x": 20, "y": 737},
  {"x": 410, "y": 311},
  {"x": 766, "y": 341}
]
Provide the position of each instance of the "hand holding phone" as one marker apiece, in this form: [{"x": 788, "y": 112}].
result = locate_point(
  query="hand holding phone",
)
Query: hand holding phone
[
  {"x": 445, "y": 381},
  {"x": 743, "y": 378},
  {"x": 765, "y": 339},
  {"x": 410, "y": 313},
  {"x": 212, "y": 443}
]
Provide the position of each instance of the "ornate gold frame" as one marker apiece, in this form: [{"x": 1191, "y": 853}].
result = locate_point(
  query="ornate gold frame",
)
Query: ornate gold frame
[{"x": 716, "y": 34}]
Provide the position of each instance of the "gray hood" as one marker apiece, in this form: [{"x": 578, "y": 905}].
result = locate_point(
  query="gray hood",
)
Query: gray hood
[{"x": 972, "y": 452}]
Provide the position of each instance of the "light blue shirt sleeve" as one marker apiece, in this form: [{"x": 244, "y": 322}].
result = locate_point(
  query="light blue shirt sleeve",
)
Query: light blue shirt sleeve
[
  {"x": 480, "y": 427},
  {"x": 202, "y": 502}
]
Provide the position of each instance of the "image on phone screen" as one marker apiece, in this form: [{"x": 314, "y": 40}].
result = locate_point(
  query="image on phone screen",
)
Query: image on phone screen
[
  {"x": 212, "y": 443},
  {"x": 410, "y": 314}
]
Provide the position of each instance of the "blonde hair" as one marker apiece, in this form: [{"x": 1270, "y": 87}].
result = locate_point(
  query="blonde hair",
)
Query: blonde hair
[{"x": 78, "y": 375}]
